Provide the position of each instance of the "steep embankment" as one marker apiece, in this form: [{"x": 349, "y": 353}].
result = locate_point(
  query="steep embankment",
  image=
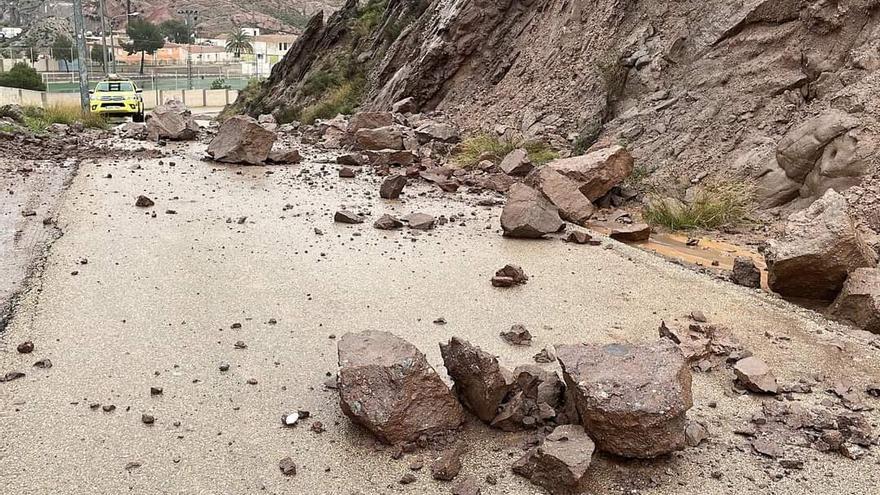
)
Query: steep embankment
[{"x": 692, "y": 87}]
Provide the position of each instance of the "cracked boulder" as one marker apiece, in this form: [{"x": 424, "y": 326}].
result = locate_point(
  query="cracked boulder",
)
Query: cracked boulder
[
  {"x": 171, "y": 121},
  {"x": 387, "y": 386},
  {"x": 561, "y": 462},
  {"x": 633, "y": 398},
  {"x": 859, "y": 301},
  {"x": 820, "y": 247},
  {"x": 536, "y": 398},
  {"x": 596, "y": 172},
  {"x": 528, "y": 214},
  {"x": 480, "y": 382},
  {"x": 241, "y": 140},
  {"x": 564, "y": 193}
]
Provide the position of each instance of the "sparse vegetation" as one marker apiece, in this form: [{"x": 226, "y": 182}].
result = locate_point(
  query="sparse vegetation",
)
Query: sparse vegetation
[
  {"x": 344, "y": 99},
  {"x": 38, "y": 119},
  {"x": 475, "y": 147},
  {"x": 220, "y": 83},
  {"x": 714, "y": 206},
  {"x": 369, "y": 17}
]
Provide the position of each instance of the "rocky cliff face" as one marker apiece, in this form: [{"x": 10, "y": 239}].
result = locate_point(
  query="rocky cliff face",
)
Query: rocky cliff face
[{"x": 691, "y": 87}]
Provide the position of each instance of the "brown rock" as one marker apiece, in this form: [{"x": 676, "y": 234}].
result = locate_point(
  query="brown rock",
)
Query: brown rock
[
  {"x": 509, "y": 275},
  {"x": 387, "y": 222},
  {"x": 745, "y": 272},
  {"x": 392, "y": 187},
  {"x": 563, "y": 193},
  {"x": 26, "y": 347},
  {"x": 516, "y": 163},
  {"x": 171, "y": 121},
  {"x": 380, "y": 138},
  {"x": 480, "y": 383},
  {"x": 755, "y": 375},
  {"x": 143, "y": 202},
  {"x": 287, "y": 466},
  {"x": 859, "y": 301},
  {"x": 390, "y": 158},
  {"x": 347, "y": 172},
  {"x": 420, "y": 221},
  {"x": 387, "y": 386},
  {"x": 597, "y": 172},
  {"x": 632, "y": 398},
  {"x": 517, "y": 335},
  {"x": 345, "y": 216},
  {"x": 578, "y": 237},
  {"x": 352, "y": 159},
  {"x": 695, "y": 433},
  {"x": 437, "y": 131},
  {"x": 466, "y": 486},
  {"x": 369, "y": 120},
  {"x": 631, "y": 233},
  {"x": 447, "y": 466},
  {"x": 820, "y": 247},
  {"x": 528, "y": 214},
  {"x": 406, "y": 105},
  {"x": 241, "y": 140},
  {"x": 561, "y": 462},
  {"x": 284, "y": 156}
]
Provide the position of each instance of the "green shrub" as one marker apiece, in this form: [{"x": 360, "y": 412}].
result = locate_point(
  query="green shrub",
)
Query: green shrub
[
  {"x": 22, "y": 76},
  {"x": 369, "y": 17},
  {"x": 714, "y": 206},
  {"x": 475, "y": 147},
  {"x": 319, "y": 81},
  {"x": 344, "y": 99},
  {"x": 220, "y": 83}
]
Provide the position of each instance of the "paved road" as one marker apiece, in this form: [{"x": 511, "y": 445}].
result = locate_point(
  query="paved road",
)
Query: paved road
[{"x": 157, "y": 299}]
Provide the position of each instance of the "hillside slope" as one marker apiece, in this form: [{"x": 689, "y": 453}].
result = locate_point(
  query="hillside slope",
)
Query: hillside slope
[{"x": 692, "y": 87}]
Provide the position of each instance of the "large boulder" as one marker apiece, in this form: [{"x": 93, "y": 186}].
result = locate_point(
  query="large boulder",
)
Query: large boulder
[
  {"x": 430, "y": 130},
  {"x": 171, "y": 121},
  {"x": 821, "y": 245},
  {"x": 564, "y": 193},
  {"x": 859, "y": 301},
  {"x": 516, "y": 162},
  {"x": 380, "y": 138},
  {"x": 802, "y": 146},
  {"x": 369, "y": 120},
  {"x": 561, "y": 462},
  {"x": 598, "y": 171},
  {"x": 386, "y": 385},
  {"x": 241, "y": 139},
  {"x": 632, "y": 399},
  {"x": 480, "y": 382},
  {"x": 528, "y": 214}
]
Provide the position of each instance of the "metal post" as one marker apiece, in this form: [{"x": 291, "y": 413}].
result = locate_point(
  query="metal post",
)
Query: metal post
[
  {"x": 103, "y": 36},
  {"x": 79, "y": 29},
  {"x": 191, "y": 16}
]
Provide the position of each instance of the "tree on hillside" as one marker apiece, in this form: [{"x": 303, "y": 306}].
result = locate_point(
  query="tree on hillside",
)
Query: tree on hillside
[
  {"x": 146, "y": 37},
  {"x": 176, "y": 31},
  {"x": 62, "y": 50},
  {"x": 239, "y": 42}
]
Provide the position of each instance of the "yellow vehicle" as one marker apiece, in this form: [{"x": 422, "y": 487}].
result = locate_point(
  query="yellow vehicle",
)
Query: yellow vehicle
[{"x": 116, "y": 96}]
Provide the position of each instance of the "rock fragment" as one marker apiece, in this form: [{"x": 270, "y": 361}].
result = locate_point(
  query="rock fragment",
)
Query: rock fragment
[
  {"x": 287, "y": 466},
  {"x": 745, "y": 273},
  {"x": 392, "y": 187},
  {"x": 171, "y": 121},
  {"x": 509, "y": 276},
  {"x": 561, "y": 462},
  {"x": 695, "y": 433},
  {"x": 597, "y": 172},
  {"x": 563, "y": 193},
  {"x": 25, "y": 347},
  {"x": 516, "y": 163},
  {"x": 517, "y": 335},
  {"x": 466, "y": 486},
  {"x": 387, "y": 222},
  {"x": 480, "y": 382},
  {"x": 632, "y": 398},
  {"x": 345, "y": 216},
  {"x": 755, "y": 375},
  {"x": 447, "y": 466},
  {"x": 241, "y": 139},
  {"x": 635, "y": 232},
  {"x": 386, "y": 385},
  {"x": 859, "y": 301},
  {"x": 143, "y": 202},
  {"x": 284, "y": 156},
  {"x": 420, "y": 221},
  {"x": 528, "y": 214},
  {"x": 346, "y": 173}
]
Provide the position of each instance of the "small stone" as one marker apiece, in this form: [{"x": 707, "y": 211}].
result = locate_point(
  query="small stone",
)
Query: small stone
[
  {"x": 344, "y": 216},
  {"x": 108, "y": 408},
  {"x": 251, "y": 381},
  {"x": 317, "y": 427},
  {"x": 44, "y": 363},
  {"x": 547, "y": 355},
  {"x": 755, "y": 375},
  {"x": 420, "y": 221},
  {"x": 392, "y": 187},
  {"x": 240, "y": 345},
  {"x": 791, "y": 463},
  {"x": 745, "y": 272},
  {"x": 416, "y": 465},
  {"x": 447, "y": 466},
  {"x": 155, "y": 390},
  {"x": 509, "y": 275},
  {"x": 387, "y": 222},
  {"x": 11, "y": 375},
  {"x": 26, "y": 347},
  {"x": 287, "y": 466},
  {"x": 578, "y": 237},
  {"x": 407, "y": 478},
  {"x": 698, "y": 316},
  {"x": 517, "y": 335},
  {"x": 148, "y": 419},
  {"x": 143, "y": 202},
  {"x": 224, "y": 367},
  {"x": 636, "y": 232},
  {"x": 695, "y": 433},
  {"x": 466, "y": 486}
]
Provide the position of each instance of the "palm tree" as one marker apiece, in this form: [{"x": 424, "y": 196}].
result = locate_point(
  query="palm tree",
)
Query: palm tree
[{"x": 239, "y": 42}]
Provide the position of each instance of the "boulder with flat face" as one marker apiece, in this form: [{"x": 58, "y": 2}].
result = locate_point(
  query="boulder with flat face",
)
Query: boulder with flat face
[
  {"x": 745, "y": 272},
  {"x": 561, "y": 462},
  {"x": 632, "y": 398},
  {"x": 859, "y": 301},
  {"x": 754, "y": 374},
  {"x": 171, "y": 121},
  {"x": 480, "y": 382},
  {"x": 380, "y": 138},
  {"x": 528, "y": 214},
  {"x": 820, "y": 247},
  {"x": 564, "y": 193},
  {"x": 516, "y": 162},
  {"x": 369, "y": 120},
  {"x": 386, "y": 385},
  {"x": 241, "y": 140},
  {"x": 596, "y": 172}
]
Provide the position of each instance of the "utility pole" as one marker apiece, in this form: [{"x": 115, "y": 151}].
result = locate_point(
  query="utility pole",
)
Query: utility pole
[
  {"x": 103, "y": 36},
  {"x": 191, "y": 16},
  {"x": 80, "y": 36}
]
